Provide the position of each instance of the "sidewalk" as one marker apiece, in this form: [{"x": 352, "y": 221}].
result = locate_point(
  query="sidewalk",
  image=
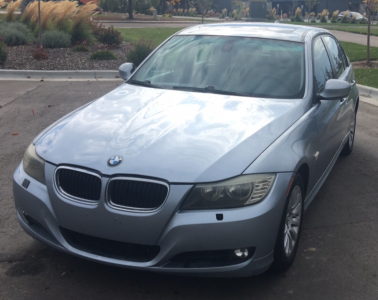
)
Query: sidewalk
[{"x": 355, "y": 38}]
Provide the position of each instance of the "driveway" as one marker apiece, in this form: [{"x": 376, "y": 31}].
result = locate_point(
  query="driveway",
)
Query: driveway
[{"x": 337, "y": 255}]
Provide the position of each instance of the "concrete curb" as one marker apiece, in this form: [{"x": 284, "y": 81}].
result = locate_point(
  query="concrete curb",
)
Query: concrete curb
[
  {"x": 81, "y": 75},
  {"x": 368, "y": 91}
]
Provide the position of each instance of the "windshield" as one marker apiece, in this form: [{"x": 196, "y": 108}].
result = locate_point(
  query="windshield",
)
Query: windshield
[{"x": 227, "y": 65}]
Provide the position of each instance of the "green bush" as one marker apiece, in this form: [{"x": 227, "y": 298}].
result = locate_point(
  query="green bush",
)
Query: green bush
[
  {"x": 56, "y": 39},
  {"x": 81, "y": 31},
  {"x": 141, "y": 6},
  {"x": 103, "y": 55},
  {"x": 24, "y": 3},
  {"x": 141, "y": 50},
  {"x": 15, "y": 34},
  {"x": 3, "y": 53},
  {"x": 80, "y": 48},
  {"x": 298, "y": 18},
  {"x": 108, "y": 36},
  {"x": 323, "y": 19},
  {"x": 363, "y": 21},
  {"x": 114, "y": 6}
]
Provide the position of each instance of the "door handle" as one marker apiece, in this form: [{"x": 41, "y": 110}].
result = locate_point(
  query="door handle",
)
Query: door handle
[{"x": 353, "y": 83}]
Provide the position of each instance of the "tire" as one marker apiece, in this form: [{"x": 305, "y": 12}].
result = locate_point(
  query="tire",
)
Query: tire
[
  {"x": 287, "y": 240},
  {"x": 348, "y": 148}
]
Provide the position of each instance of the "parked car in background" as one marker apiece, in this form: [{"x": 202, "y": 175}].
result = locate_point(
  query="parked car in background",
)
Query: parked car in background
[
  {"x": 350, "y": 16},
  {"x": 205, "y": 159}
]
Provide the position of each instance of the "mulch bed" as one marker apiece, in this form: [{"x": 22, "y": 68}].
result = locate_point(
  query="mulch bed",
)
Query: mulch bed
[
  {"x": 364, "y": 65},
  {"x": 20, "y": 58}
]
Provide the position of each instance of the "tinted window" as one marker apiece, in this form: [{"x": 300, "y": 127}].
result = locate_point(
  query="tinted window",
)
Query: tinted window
[
  {"x": 249, "y": 66},
  {"x": 336, "y": 55},
  {"x": 322, "y": 65}
]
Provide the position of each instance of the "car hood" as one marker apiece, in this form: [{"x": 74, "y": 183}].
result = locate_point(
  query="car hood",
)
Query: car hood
[{"x": 177, "y": 136}]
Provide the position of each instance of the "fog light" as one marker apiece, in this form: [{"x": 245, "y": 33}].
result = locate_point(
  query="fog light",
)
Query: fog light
[{"x": 242, "y": 253}]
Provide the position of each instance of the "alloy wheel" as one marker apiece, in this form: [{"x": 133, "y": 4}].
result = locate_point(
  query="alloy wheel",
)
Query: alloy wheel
[{"x": 293, "y": 220}]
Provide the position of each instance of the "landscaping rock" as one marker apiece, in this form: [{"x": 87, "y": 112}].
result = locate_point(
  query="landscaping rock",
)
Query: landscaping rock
[{"x": 20, "y": 58}]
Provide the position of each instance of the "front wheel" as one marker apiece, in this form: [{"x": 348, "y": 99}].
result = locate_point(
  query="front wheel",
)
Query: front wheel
[
  {"x": 348, "y": 148},
  {"x": 290, "y": 228}
]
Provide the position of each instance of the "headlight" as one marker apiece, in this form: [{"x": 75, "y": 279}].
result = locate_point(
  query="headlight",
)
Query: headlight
[
  {"x": 33, "y": 165},
  {"x": 240, "y": 191}
]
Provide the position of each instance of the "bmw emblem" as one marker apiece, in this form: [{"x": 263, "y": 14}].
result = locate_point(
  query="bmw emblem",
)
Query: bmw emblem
[{"x": 115, "y": 161}]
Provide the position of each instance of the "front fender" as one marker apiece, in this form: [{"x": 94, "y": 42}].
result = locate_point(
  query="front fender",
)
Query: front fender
[{"x": 292, "y": 149}]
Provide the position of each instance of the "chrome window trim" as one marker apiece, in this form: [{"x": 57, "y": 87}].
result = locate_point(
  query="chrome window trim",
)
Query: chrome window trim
[
  {"x": 134, "y": 209},
  {"x": 70, "y": 197}
]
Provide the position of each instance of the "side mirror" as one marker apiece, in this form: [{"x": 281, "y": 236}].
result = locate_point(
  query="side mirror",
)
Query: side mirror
[
  {"x": 125, "y": 70},
  {"x": 335, "y": 89}
]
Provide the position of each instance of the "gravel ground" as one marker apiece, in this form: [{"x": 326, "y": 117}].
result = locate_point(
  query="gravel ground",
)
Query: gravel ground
[{"x": 20, "y": 58}]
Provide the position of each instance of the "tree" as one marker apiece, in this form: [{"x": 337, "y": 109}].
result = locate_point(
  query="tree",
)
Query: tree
[
  {"x": 204, "y": 6},
  {"x": 131, "y": 10},
  {"x": 371, "y": 5},
  {"x": 310, "y": 4},
  {"x": 294, "y": 6}
]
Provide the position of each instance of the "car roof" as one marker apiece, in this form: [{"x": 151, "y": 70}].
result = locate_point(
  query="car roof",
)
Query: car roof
[{"x": 277, "y": 31}]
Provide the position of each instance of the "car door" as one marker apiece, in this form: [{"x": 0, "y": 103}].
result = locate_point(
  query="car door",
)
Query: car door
[
  {"x": 330, "y": 128},
  {"x": 343, "y": 71}
]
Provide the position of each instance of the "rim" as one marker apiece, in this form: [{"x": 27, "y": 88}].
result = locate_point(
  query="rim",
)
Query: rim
[
  {"x": 351, "y": 134},
  {"x": 293, "y": 220}
]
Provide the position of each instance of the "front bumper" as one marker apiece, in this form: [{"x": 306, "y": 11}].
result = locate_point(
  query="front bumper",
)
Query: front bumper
[{"x": 174, "y": 231}]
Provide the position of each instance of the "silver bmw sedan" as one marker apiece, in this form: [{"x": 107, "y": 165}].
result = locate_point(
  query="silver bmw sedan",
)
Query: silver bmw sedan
[{"x": 203, "y": 161}]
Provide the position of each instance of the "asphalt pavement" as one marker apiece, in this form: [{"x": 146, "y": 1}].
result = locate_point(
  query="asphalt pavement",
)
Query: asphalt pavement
[{"x": 337, "y": 255}]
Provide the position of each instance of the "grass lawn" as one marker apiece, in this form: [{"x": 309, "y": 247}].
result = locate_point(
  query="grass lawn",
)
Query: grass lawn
[
  {"x": 357, "y": 52},
  {"x": 158, "y": 35},
  {"x": 367, "y": 77}
]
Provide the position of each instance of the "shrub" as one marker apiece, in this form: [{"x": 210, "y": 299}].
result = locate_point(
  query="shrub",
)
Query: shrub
[
  {"x": 114, "y": 5},
  {"x": 298, "y": 15},
  {"x": 141, "y": 6},
  {"x": 141, "y": 50},
  {"x": 24, "y": 4},
  {"x": 334, "y": 16},
  {"x": 313, "y": 21},
  {"x": 103, "y": 55},
  {"x": 39, "y": 53},
  {"x": 56, "y": 39},
  {"x": 65, "y": 15},
  {"x": 12, "y": 6},
  {"x": 108, "y": 36},
  {"x": 81, "y": 31},
  {"x": 345, "y": 17},
  {"x": 3, "y": 53},
  {"x": 363, "y": 21},
  {"x": 80, "y": 48},
  {"x": 15, "y": 34}
]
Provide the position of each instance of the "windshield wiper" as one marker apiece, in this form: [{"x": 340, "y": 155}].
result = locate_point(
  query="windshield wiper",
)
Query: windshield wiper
[
  {"x": 143, "y": 83},
  {"x": 208, "y": 89}
]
